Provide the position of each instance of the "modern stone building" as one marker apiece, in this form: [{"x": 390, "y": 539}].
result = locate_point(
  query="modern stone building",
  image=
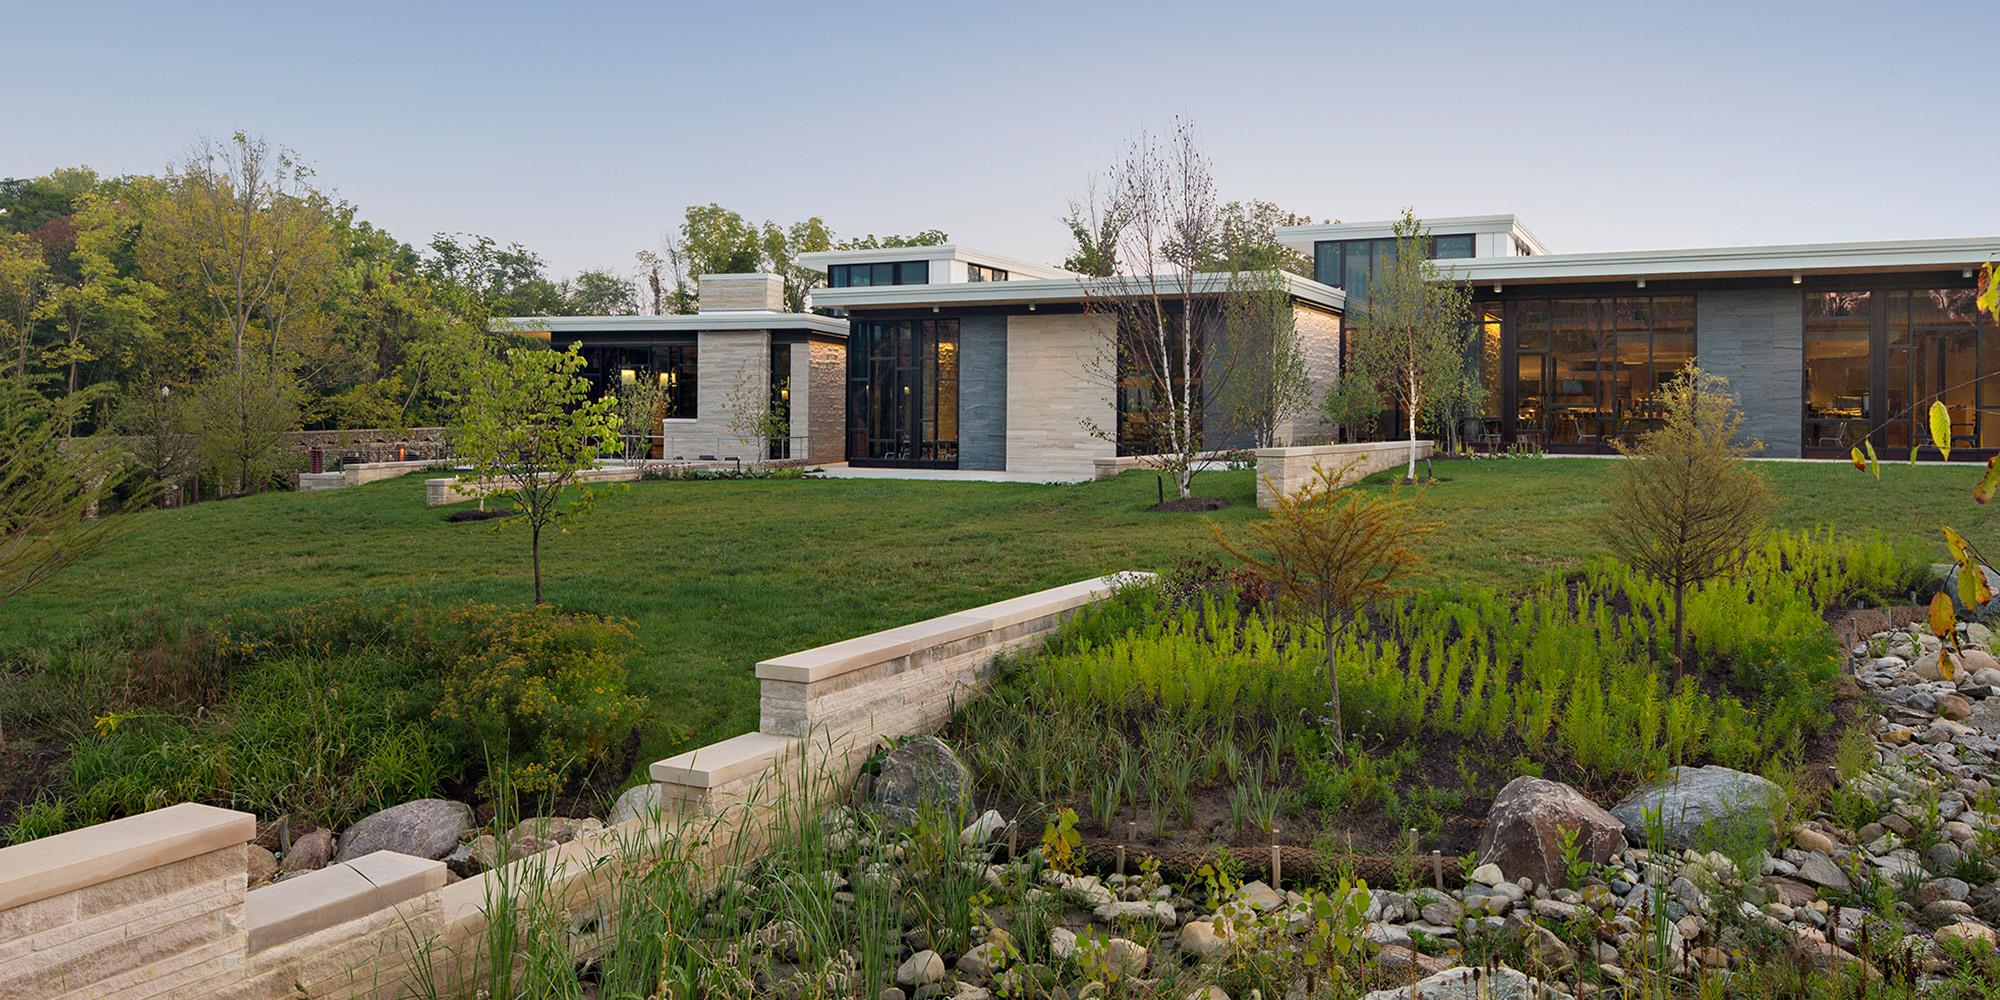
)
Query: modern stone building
[
  {"x": 963, "y": 360},
  {"x": 721, "y": 367},
  {"x": 1825, "y": 344},
  {"x": 942, "y": 357}
]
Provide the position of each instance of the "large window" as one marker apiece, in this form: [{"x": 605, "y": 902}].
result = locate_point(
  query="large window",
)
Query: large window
[
  {"x": 1588, "y": 370},
  {"x": 1145, "y": 413},
  {"x": 902, "y": 392},
  {"x": 1876, "y": 359},
  {"x": 1838, "y": 375},
  {"x": 1354, "y": 264},
  {"x": 905, "y": 272},
  {"x": 610, "y": 367},
  {"x": 781, "y": 400}
]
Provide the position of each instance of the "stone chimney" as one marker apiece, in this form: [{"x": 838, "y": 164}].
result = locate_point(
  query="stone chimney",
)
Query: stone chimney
[{"x": 737, "y": 292}]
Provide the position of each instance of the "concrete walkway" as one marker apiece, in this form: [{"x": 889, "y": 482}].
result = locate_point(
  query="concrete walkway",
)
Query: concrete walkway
[{"x": 841, "y": 470}]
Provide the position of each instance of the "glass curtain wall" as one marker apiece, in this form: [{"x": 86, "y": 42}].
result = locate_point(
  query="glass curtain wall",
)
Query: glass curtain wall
[
  {"x": 1588, "y": 370},
  {"x": 902, "y": 392},
  {"x": 781, "y": 399},
  {"x": 1876, "y": 359},
  {"x": 672, "y": 366}
]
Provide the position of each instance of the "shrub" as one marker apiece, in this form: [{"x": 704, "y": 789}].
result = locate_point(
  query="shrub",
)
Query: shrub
[{"x": 545, "y": 688}]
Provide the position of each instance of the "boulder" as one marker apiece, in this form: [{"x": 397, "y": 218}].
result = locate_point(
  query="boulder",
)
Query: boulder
[
  {"x": 1705, "y": 808},
  {"x": 308, "y": 853},
  {"x": 1468, "y": 983},
  {"x": 1820, "y": 870},
  {"x": 636, "y": 802},
  {"x": 1972, "y": 935},
  {"x": 1200, "y": 939},
  {"x": 983, "y": 830},
  {"x": 260, "y": 865},
  {"x": 922, "y": 771},
  {"x": 1126, "y": 958},
  {"x": 426, "y": 828},
  {"x": 1525, "y": 828},
  {"x": 920, "y": 969}
]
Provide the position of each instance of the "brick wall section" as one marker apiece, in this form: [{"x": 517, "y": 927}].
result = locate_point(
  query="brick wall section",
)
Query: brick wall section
[
  {"x": 982, "y": 392},
  {"x": 1050, "y": 393},
  {"x": 1286, "y": 469},
  {"x": 1755, "y": 339},
  {"x": 828, "y": 416}
]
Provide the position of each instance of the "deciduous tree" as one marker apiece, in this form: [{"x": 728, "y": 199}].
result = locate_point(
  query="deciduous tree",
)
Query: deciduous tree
[
  {"x": 1407, "y": 343},
  {"x": 1687, "y": 506},
  {"x": 24, "y": 279},
  {"x": 49, "y": 486},
  {"x": 529, "y": 428}
]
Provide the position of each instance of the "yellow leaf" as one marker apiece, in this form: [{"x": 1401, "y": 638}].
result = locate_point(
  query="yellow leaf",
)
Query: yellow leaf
[
  {"x": 1943, "y": 621},
  {"x": 1860, "y": 463},
  {"x": 1955, "y": 543},
  {"x": 1989, "y": 289},
  {"x": 1940, "y": 429},
  {"x": 1947, "y": 667},
  {"x": 1989, "y": 484},
  {"x": 1874, "y": 465}
]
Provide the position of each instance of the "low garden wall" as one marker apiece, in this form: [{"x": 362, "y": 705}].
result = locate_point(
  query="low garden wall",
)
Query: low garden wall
[
  {"x": 450, "y": 489},
  {"x": 362, "y": 473},
  {"x": 155, "y": 905},
  {"x": 1286, "y": 469}
]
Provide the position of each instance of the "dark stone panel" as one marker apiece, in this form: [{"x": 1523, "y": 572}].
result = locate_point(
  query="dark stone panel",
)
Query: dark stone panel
[{"x": 982, "y": 392}]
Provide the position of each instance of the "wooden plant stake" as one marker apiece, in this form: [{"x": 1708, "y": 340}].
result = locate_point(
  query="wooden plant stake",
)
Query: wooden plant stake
[
  {"x": 1277, "y": 863},
  {"x": 1437, "y": 869}
]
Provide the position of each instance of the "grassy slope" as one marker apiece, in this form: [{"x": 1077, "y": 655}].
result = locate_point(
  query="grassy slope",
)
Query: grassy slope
[{"x": 719, "y": 575}]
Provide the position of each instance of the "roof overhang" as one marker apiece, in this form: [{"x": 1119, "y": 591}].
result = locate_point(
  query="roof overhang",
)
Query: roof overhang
[
  {"x": 1063, "y": 290},
  {"x": 820, "y": 260},
  {"x": 1302, "y": 238},
  {"x": 717, "y": 321},
  {"x": 1724, "y": 262}
]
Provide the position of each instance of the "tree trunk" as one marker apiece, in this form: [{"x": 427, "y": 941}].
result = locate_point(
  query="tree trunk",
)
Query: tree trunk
[
  {"x": 1680, "y": 632},
  {"x": 1411, "y": 473},
  {"x": 1333, "y": 687},
  {"x": 535, "y": 550}
]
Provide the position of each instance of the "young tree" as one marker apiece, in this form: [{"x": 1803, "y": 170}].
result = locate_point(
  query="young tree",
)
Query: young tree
[
  {"x": 241, "y": 420},
  {"x": 1327, "y": 553},
  {"x": 49, "y": 486},
  {"x": 1162, "y": 305},
  {"x": 529, "y": 427},
  {"x": 154, "y": 420},
  {"x": 1408, "y": 341},
  {"x": 1687, "y": 506},
  {"x": 1272, "y": 385},
  {"x": 24, "y": 279}
]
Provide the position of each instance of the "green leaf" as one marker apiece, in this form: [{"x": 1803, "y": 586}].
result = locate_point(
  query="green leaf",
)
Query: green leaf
[
  {"x": 1940, "y": 430},
  {"x": 1874, "y": 465},
  {"x": 1913, "y": 455}
]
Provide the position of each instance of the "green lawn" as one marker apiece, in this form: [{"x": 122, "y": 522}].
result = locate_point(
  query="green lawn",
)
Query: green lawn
[{"x": 718, "y": 575}]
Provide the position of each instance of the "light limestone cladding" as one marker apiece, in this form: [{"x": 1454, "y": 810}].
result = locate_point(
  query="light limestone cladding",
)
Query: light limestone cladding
[
  {"x": 734, "y": 369},
  {"x": 1319, "y": 344},
  {"x": 1052, "y": 398},
  {"x": 1284, "y": 470},
  {"x": 733, "y": 292}
]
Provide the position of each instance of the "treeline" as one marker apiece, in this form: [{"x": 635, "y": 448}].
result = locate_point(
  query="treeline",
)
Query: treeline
[{"x": 211, "y": 308}]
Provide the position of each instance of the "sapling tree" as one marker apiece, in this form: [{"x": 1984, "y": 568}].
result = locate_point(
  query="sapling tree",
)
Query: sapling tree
[
  {"x": 1327, "y": 553},
  {"x": 1408, "y": 340},
  {"x": 50, "y": 486},
  {"x": 530, "y": 429},
  {"x": 1687, "y": 506}
]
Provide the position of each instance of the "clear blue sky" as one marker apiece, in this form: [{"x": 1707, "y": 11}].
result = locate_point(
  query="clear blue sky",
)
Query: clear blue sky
[{"x": 581, "y": 130}]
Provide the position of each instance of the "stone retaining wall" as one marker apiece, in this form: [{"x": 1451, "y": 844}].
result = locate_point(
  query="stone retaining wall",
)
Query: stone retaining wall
[
  {"x": 1286, "y": 469},
  {"x": 155, "y": 905}
]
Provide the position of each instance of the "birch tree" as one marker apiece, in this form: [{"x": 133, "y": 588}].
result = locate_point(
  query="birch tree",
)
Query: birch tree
[
  {"x": 1407, "y": 344},
  {"x": 1159, "y": 226}
]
